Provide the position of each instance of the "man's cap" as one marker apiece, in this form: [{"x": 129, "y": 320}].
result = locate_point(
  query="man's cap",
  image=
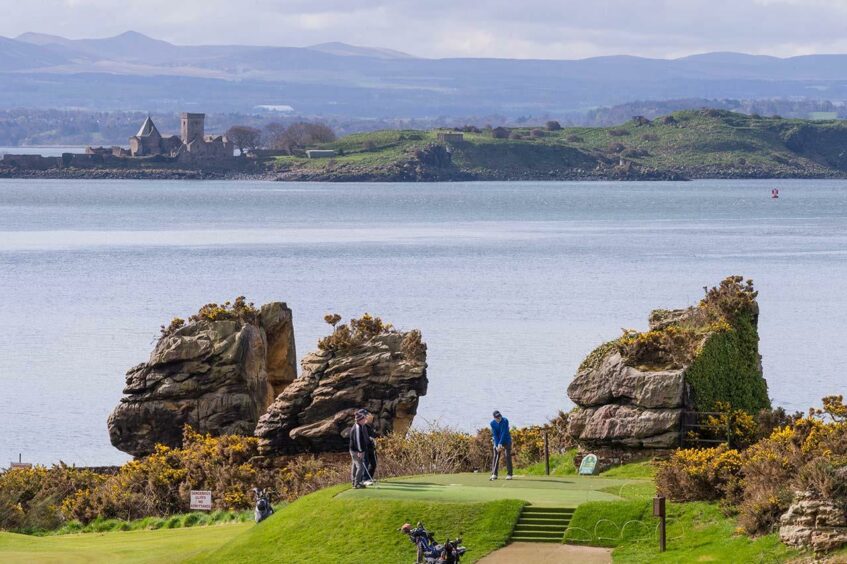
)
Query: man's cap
[
  {"x": 496, "y": 414},
  {"x": 361, "y": 414}
]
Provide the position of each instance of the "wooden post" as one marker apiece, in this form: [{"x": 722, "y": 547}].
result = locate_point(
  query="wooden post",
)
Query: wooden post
[
  {"x": 659, "y": 511},
  {"x": 546, "y": 453}
]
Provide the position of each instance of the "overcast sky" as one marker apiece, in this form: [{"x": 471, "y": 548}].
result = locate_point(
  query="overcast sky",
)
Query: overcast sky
[{"x": 459, "y": 28}]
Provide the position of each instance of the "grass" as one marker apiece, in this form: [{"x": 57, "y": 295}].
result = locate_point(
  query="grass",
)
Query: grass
[
  {"x": 695, "y": 143},
  {"x": 141, "y": 546},
  {"x": 549, "y": 491},
  {"x": 195, "y": 519},
  {"x": 697, "y": 532},
  {"x": 326, "y": 527}
]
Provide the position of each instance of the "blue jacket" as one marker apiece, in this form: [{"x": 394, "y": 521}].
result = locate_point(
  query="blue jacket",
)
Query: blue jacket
[{"x": 500, "y": 432}]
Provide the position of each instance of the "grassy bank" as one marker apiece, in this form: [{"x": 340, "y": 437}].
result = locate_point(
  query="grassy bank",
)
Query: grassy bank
[
  {"x": 324, "y": 527},
  {"x": 689, "y": 144}
]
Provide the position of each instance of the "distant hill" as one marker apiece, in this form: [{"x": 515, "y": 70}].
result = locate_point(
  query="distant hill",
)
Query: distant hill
[{"x": 133, "y": 71}]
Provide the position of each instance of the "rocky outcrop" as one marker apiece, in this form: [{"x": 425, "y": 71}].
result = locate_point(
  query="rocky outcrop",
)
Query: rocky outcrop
[
  {"x": 219, "y": 376},
  {"x": 632, "y": 393},
  {"x": 814, "y": 523},
  {"x": 385, "y": 374}
]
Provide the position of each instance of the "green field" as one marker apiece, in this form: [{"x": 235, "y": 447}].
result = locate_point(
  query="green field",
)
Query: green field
[{"x": 689, "y": 144}]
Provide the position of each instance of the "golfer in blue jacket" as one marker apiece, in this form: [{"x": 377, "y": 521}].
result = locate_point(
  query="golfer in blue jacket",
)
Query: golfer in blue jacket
[{"x": 502, "y": 444}]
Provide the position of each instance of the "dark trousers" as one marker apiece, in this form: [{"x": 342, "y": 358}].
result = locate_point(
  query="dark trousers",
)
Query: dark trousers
[
  {"x": 507, "y": 454},
  {"x": 370, "y": 463}
]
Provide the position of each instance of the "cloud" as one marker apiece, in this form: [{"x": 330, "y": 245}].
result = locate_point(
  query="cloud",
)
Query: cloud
[{"x": 466, "y": 28}]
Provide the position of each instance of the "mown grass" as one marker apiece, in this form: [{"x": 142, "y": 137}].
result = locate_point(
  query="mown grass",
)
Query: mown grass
[
  {"x": 323, "y": 527},
  {"x": 140, "y": 546},
  {"x": 697, "y": 532}
]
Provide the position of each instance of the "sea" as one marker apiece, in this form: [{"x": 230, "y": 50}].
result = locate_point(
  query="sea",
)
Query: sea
[{"x": 511, "y": 283}]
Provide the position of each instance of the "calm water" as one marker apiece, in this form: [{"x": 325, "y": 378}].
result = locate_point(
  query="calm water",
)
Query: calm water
[
  {"x": 511, "y": 284},
  {"x": 47, "y": 151}
]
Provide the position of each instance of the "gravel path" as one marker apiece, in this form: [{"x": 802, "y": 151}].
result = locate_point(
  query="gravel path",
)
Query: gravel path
[{"x": 548, "y": 553}]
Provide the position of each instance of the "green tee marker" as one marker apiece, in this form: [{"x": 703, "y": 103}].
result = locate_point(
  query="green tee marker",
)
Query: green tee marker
[{"x": 588, "y": 465}]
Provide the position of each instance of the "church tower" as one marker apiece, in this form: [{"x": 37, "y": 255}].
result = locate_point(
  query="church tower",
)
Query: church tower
[{"x": 191, "y": 127}]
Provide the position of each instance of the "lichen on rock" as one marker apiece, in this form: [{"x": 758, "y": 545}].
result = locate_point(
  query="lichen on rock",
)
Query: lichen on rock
[{"x": 631, "y": 392}]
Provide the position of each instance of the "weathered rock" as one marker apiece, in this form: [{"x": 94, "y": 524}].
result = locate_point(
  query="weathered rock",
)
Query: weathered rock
[
  {"x": 626, "y": 425},
  {"x": 217, "y": 376},
  {"x": 814, "y": 523},
  {"x": 621, "y": 383},
  {"x": 314, "y": 413},
  {"x": 631, "y": 393}
]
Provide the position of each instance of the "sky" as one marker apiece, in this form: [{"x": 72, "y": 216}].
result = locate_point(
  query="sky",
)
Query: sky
[{"x": 548, "y": 29}]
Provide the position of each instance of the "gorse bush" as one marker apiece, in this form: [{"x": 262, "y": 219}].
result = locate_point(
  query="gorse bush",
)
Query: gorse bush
[
  {"x": 238, "y": 309},
  {"x": 698, "y": 474},
  {"x": 159, "y": 484},
  {"x": 759, "y": 483},
  {"x": 355, "y": 333},
  {"x": 31, "y": 498}
]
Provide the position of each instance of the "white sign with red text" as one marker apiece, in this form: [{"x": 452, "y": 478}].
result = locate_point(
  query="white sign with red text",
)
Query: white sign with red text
[{"x": 201, "y": 499}]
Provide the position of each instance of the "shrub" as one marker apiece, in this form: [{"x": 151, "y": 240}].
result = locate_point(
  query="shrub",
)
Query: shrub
[
  {"x": 350, "y": 335},
  {"x": 159, "y": 484},
  {"x": 618, "y": 132},
  {"x": 500, "y": 133},
  {"x": 239, "y": 309},
  {"x": 574, "y": 139},
  {"x": 553, "y": 125},
  {"x": 652, "y": 137},
  {"x": 616, "y": 147},
  {"x": 368, "y": 145},
  {"x": 439, "y": 450},
  {"x": 305, "y": 474},
  {"x": 516, "y": 135},
  {"x": 31, "y": 498},
  {"x": 698, "y": 474},
  {"x": 537, "y": 133}
]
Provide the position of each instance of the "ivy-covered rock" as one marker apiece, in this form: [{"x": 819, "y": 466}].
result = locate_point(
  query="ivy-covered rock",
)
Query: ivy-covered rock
[{"x": 632, "y": 392}]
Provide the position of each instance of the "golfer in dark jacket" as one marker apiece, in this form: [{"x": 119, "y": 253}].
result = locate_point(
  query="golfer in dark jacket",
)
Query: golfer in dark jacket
[
  {"x": 358, "y": 447},
  {"x": 502, "y": 440},
  {"x": 370, "y": 453}
]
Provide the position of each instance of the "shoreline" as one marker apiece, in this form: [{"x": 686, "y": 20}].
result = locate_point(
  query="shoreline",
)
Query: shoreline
[{"x": 331, "y": 177}]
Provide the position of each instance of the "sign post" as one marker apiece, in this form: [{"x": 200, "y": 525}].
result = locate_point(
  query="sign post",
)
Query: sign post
[
  {"x": 546, "y": 453},
  {"x": 660, "y": 512},
  {"x": 201, "y": 499},
  {"x": 588, "y": 466}
]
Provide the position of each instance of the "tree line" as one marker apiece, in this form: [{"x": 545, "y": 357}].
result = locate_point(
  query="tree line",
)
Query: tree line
[{"x": 289, "y": 139}]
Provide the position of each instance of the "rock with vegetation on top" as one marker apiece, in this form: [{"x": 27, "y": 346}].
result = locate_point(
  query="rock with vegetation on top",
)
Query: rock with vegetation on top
[
  {"x": 217, "y": 373},
  {"x": 631, "y": 392},
  {"x": 366, "y": 364}
]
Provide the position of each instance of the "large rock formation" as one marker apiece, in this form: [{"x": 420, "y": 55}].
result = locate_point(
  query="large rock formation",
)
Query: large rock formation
[
  {"x": 814, "y": 523},
  {"x": 219, "y": 376},
  {"x": 631, "y": 393},
  {"x": 385, "y": 373}
]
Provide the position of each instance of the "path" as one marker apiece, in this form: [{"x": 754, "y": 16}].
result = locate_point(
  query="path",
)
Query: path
[{"x": 537, "y": 553}]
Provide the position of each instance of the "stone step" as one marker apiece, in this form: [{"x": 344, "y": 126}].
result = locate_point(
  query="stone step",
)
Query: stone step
[{"x": 542, "y": 524}]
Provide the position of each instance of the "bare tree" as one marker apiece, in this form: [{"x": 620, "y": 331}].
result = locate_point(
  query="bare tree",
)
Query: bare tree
[
  {"x": 244, "y": 137},
  {"x": 300, "y": 135}
]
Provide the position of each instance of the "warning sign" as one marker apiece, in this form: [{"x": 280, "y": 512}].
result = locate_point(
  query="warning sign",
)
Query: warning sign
[{"x": 201, "y": 499}]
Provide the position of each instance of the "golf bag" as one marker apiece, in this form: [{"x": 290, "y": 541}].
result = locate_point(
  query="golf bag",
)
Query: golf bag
[
  {"x": 263, "y": 505},
  {"x": 429, "y": 552}
]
